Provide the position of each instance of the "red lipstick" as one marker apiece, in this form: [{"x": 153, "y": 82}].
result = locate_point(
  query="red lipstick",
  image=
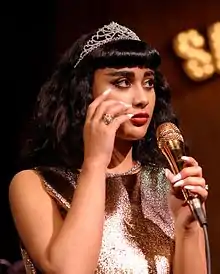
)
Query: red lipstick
[{"x": 140, "y": 119}]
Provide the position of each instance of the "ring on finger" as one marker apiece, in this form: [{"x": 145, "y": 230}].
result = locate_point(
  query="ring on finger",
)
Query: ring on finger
[
  {"x": 207, "y": 187},
  {"x": 107, "y": 118}
]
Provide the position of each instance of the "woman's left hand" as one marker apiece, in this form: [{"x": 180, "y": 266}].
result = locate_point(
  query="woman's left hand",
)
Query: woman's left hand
[{"x": 190, "y": 178}]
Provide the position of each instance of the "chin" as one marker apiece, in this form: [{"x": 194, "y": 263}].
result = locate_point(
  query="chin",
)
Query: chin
[{"x": 132, "y": 133}]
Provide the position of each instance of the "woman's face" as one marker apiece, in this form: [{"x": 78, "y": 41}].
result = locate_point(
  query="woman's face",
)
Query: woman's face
[{"x": 133, "y": 86}]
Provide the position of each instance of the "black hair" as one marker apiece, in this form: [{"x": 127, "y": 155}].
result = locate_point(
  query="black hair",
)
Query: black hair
[{"x": 56, "y": 136}]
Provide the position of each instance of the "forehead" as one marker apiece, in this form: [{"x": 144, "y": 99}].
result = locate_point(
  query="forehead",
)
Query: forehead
[{"x": 135, "y": 71}]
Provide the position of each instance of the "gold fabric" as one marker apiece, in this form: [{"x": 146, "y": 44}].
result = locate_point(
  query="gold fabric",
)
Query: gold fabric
[{"x": 138, "y": 229}]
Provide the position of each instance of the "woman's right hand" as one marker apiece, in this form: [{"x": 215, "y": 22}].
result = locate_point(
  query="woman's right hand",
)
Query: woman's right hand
[{"x": 98, "y": 137}]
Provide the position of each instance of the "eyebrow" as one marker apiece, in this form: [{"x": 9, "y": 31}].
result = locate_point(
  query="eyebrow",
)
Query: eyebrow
[{"x": 130, "y": 74}]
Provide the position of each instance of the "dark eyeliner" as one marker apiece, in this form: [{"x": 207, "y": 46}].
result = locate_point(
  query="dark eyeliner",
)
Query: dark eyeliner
[{"x": 117, "y": 83}]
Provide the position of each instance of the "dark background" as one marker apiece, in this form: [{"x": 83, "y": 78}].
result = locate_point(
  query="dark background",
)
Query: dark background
[{"x": 35, "y": 34}]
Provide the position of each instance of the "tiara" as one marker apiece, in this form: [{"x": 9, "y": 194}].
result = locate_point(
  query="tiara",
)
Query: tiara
[{"x": 104, "y": 35}]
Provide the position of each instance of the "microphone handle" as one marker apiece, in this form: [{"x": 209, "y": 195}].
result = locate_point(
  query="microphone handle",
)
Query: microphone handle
[{"x": 173, "y": 150}]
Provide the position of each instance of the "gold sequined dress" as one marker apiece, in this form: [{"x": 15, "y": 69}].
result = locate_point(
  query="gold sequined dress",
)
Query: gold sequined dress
[{"x": 138, "y": 234}]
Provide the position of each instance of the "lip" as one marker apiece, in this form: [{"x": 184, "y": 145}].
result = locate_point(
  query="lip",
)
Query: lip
[
  {"x": 141, "y": 115},
  {"x": 140, "y": 119}
]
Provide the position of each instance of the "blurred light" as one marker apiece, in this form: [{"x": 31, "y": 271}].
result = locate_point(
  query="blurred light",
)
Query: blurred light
[
  {"x": 199, "y": 64},
  {"x": 214, "y": 43}
]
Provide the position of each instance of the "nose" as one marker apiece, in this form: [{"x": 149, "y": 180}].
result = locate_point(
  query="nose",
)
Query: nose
[{"x": 140, "y": 98}]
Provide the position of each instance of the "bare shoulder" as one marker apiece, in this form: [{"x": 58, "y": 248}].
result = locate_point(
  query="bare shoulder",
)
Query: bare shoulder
[
  {"x": 36, "y": 216},
  {"x": 26, "y": 186},
  {"x": 25, "y": 178}
]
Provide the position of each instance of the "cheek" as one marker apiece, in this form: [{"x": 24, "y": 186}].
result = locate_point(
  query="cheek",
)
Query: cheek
[
  {"x": 96, "y": 92},
  {"x": 98, "y": 88},
  {"x": 152, "y": 101}
]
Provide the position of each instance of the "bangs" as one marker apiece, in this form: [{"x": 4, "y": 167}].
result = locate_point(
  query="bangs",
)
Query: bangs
[{"x": 124, "y": 53}]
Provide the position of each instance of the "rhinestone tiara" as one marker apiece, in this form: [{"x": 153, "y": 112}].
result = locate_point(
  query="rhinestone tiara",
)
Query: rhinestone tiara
[{"x": 104, "y": 35}]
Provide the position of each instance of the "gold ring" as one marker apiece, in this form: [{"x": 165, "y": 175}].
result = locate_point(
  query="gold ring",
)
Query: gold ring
[
  {"x": 107, "y": 118},
  {"x": 206, "y": 187}
]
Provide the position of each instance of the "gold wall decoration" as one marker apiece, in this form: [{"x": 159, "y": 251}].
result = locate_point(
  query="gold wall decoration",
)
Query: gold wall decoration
[{"x": 199, "y": 62}]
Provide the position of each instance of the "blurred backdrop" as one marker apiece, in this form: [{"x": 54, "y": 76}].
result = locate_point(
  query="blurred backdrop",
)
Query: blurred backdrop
[{"x": 35, "y": 34}]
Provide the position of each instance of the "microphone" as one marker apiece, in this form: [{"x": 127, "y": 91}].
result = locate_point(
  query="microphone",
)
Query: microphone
[{"x": 171, "y": 143}]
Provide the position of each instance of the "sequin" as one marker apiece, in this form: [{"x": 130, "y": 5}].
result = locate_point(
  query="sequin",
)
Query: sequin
[
  {"x": 29, "y": 266},
  {"x": 138, "y": 233}
]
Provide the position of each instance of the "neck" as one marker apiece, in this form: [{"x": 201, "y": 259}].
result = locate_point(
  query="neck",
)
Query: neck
[{"x": 121, "y": 160}]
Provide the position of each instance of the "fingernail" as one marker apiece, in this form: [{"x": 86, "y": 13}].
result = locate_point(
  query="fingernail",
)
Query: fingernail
[
  {"x": 166, "y": 172},
  {"x": 179, "y": 183},
  {"x": 126, "y": 105},
  {"x": 185, "y": 158},
  {"x": 189, "y": 187},
  {"x": 130, "y": 115},
  {"x": 177, "y": 177},
  {"x": 107, "y": 92}
]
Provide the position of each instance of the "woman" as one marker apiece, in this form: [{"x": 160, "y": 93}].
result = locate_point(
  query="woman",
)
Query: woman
[{"x": 93, "y": 196}]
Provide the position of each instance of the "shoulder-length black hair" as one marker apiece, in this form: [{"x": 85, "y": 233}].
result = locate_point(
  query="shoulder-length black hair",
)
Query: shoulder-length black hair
[{"x": 56, "y": 135}]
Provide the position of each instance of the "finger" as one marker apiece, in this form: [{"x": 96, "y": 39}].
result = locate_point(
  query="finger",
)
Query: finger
[
  {"x": 110, "y": 107},
  {"x": 176, "y": 191},
  {"x": 189, "y": 161},
  {"x": 92, "y": 107},
  {"x": 192, "y": 171},
  {"x": 120, "y": 120},
  {"x": 202, "y": 192},
  {"x": 193, "y": 181},
  {"x": 169, "y": 174},
  {"x": 118, "y": 109}
]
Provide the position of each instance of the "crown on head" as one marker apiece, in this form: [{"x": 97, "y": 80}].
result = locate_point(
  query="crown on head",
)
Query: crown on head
[{"x": 104, "y": 35}]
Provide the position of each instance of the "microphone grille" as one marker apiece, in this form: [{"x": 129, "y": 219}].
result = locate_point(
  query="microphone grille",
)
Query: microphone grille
[{"x": 168, "y": 132}]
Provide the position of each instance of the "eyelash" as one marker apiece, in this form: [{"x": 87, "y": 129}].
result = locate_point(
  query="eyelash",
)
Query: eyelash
[{"x": 118, "y": 83}]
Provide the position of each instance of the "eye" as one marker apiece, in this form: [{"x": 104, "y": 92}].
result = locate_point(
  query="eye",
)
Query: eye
[
  {"x": 122, "y": 83},
  {"x": 149, "y": 83}
]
